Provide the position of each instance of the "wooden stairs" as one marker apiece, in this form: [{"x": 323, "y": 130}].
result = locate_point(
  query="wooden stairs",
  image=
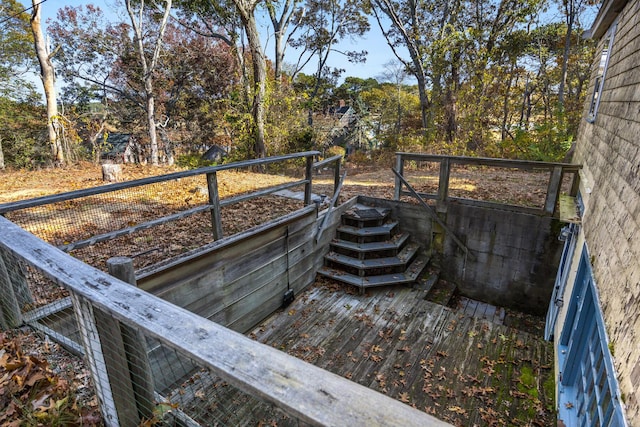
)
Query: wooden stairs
[{"x": 369, "y": 250}]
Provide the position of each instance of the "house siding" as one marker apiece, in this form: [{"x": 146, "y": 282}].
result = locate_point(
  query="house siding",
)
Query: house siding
[{"x": 609, "y": 150}]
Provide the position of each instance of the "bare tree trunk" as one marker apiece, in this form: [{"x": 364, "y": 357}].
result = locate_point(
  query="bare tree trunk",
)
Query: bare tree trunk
[
  {"x": 2, "y": 165},
  {"x": 280, "y": 27},
  {"x": 388, "y": 8},
  {"x": 148, "y": 66},
  {"x": 247, "y": 9},
  {"x": 47, "y": 74},
  {"x": 570, "y": 7}
]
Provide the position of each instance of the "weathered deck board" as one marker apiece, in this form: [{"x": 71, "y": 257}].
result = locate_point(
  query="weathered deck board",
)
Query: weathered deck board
[{"x": 461, "y": 365}]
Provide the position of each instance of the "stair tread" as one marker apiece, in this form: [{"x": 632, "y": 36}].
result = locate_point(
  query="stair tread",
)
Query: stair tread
[
  {"x": 407, "y": 252},
  {"x": 366, "y": 213},
  {"x": 394, "y": 243},
  {"x": 368, "y": 231},
  {"x": 410, "y": 275}
]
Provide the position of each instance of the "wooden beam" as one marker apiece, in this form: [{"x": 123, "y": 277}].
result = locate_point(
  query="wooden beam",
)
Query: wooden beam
[
  {"x": 308, "y": 176},
  {"x": 335, "y": 159},
  {"x": 304, "y": 391},
  {"x": 214, "y": 201},
  {"x": 553, "y": 190},
  {"x": 443, "y": 185},
  {"x": 398, "y": 184},
  {"x": 260, "y": 193},
  {"x": 71, "y": 195},
  {"x": 129, "y": 230},
  {"x": 134, "y": 347},
  {"x": 486, "y": 161}
]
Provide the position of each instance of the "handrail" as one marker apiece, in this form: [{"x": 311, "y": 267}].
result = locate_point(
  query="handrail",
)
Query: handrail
[
  {"x": 304, "y": 391},
  {"x": 489, "y": 161},
  {"x": 76, "y": 194},
  {"x": 557, "y": 173},
  {"x": 334, "y": 199},
  {"x": 326, "y": 161},
  {"x": 435, "y": 216}
]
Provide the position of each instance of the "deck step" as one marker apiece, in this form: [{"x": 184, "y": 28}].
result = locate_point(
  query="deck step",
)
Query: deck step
[
  {"x": 428, "y": 279},
  {"x": 393, "y": 244},
  {"x": 403, "y": 257},
  {"x": 381, "y": 230},
  {"x": 365, "y": 216},
  {"x": 441, "y": 292},
  {"x": 409, "y": 276}
]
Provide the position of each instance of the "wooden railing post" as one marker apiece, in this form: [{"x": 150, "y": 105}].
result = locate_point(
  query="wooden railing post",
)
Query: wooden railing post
[
  {"x": 553, "y": 190},
  {"x": 337, "y": 178},
  {"x": 308, "y": 174},
  {"x": 214, "y": 201},
  {"x": 400, "y": 169},
  {"x": 117, "y": 357},
  {"x": 135, "y": 345},
  {"x": 10, "y": 313},
  {"x": 443, "y": 185}
]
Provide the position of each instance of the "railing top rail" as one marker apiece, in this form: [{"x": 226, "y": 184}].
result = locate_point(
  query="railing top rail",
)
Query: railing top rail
[
  {"x": 489, "y": 161},
  {"x": 321, "y": 163},
  {"x": 305, "y": 391},
  {"x": 76, "y": 194}
]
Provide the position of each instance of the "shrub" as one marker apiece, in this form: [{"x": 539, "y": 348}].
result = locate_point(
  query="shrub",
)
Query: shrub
[{"x": 335, "y": 150}]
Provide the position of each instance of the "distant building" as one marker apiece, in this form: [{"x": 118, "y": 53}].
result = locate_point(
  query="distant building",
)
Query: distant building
[{"x": 594, "y": 316}]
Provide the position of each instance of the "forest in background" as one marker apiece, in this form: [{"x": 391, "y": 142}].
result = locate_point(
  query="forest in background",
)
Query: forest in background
[{"x": 497, "y": 78}]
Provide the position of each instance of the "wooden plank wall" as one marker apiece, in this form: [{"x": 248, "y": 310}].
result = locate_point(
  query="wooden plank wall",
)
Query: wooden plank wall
[{"x": 240, "y": 280}]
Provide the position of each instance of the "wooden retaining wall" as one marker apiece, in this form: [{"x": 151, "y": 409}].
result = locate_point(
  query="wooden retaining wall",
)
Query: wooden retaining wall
[
  {"x": 516, "y": 256},
  {"x": 240, "y": 280}
]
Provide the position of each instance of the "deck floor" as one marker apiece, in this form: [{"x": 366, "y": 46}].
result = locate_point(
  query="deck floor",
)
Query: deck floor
[{"x": 465, "y": 368}]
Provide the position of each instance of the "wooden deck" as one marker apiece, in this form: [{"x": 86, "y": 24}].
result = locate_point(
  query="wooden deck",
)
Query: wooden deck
[{"x": 465, "y": 369}]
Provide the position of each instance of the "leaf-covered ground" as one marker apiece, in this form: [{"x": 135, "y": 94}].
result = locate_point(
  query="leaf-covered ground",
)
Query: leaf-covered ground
[{"x": 41, "y": 385}]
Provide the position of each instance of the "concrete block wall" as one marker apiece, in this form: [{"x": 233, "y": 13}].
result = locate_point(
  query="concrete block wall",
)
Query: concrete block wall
[{"x": 609, "y": 149}]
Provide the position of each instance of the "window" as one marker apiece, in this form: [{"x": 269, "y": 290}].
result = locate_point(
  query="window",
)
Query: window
[
  {"x": 602, "y": 70},
  {"x": 589, "y": 394}
]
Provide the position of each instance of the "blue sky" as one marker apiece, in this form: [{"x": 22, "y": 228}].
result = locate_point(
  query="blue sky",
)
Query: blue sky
[
  {"x": 373, "y": 42},
  {"x": 379, "y": 53}
]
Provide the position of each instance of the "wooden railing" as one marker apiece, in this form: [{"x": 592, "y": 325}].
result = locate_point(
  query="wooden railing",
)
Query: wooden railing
[
  {"x": 557, "y": 172},
  {"x": 116, "y": 319},
  {"x": 214, "y": 204}
]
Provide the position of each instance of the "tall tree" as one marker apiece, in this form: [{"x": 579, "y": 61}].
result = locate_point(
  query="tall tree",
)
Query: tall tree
[
  {"x": 325, "y": 23},
  {"x": 247, "y": 9},
  {"x": 148, "y": 63},
  {"x": 47, "y": 74},
  {"x": 282, "y": 13},
  {"x": 409, "y": 28},
  {"x": 16, "y": 51}
]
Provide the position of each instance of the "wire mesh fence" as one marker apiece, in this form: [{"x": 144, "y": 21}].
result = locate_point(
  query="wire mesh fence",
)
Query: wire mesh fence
[
  {"x": 153, "y": 219},
  {"x": 152, "y": 362}
]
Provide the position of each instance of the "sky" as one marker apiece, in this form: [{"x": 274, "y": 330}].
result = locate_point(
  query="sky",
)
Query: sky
[{"x": 379, "y": 53}]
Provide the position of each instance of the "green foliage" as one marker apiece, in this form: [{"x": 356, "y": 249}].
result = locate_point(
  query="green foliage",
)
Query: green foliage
[
  {"x": 193, "y": 161},
  {"x": 23, "y": 134},
  {"x": 335, "y": 150}
]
